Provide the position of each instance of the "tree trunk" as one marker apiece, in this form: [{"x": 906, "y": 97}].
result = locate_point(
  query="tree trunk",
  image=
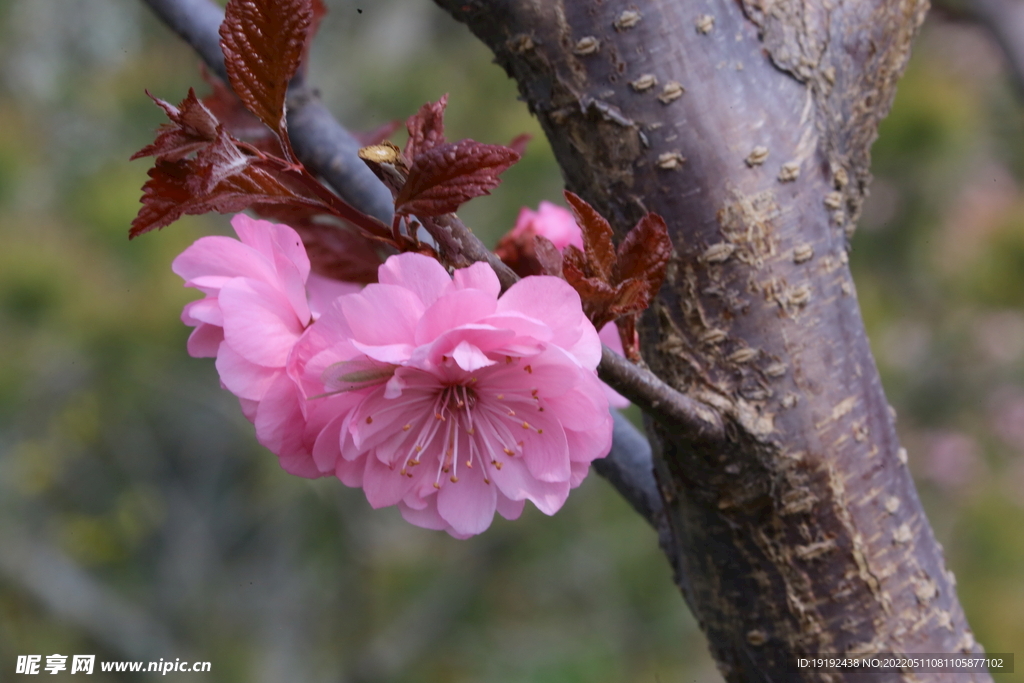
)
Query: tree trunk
[{"x": 747, "y": 125}]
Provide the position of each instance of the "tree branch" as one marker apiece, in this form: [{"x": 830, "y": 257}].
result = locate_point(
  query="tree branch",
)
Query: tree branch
[
  {"x": 322, "y": 143},
  {"x": 1005, "y": 20},
  {"x": 800, "y": 532},
  {"x": 630, "y": 469}
]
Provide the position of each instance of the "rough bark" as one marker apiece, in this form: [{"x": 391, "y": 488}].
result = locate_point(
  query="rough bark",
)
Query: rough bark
[{"x": 747, "y": 125}]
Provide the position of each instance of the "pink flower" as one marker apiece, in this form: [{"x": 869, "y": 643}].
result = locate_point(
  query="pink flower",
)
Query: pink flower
[
  {"x": 559, "y": 226},
  {"x": 551, "y": 221},
  {"x": 434, "y": 394},
  {"x": 254, "y": 312}
]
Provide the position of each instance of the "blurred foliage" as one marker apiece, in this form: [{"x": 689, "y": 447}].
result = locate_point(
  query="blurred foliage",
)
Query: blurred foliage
[{"x": 140, "y": 520}]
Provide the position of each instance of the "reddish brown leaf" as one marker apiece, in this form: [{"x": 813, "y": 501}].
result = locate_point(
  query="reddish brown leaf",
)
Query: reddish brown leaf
[
  {"x": 573, "y": 257},
  {"x": 631, "y": 296},
  {"x": 192, "y": 127},
  {"x": 444, "y": 177},
  {"x": 629, "y": 338},
  {"x": 597, "y": 237},
  {"x": 529, "y": 254},
  {"x": 262, "y": 42},
  {"x": 221, "y": 178},
  {"x": 519, "y": 142},
  {"x": 426, "y": 128},
  {"x": 645, "y": 252},
  {"x": 547, "y": 256},
  {"x": 232, "y": 114}
]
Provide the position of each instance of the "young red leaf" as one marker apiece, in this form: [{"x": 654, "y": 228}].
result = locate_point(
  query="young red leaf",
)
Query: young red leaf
[
  {"x": 519, "y": 143},
  {"x": 628, "y": 336},
  {"x": 426, "y": 128},
  {"x": 446, "y": 176},
  {"x": 631, "y": 296},
  {"x": 645, "y": 252},
  {"x": 546, "y": 254},
  {"x": 192, "y": 127},
  {"x": 597, "y": 237},
  {"x": 221, "y": 178},
  {"x": 224, "y": 104},
  {"x": 262, "y": 42}
]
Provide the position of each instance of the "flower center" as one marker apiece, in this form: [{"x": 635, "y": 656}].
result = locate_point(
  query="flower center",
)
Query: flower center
[{"x": 470, "y": 427}]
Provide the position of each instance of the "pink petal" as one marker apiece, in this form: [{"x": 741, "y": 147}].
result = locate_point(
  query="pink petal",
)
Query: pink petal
[
  {"x": 469, "y": 357},
  {"x": 259, "y": 323},
  {"x": 383, "y": 485},
  {"x": 327, "y": 449},
  {"x": 205, "y": 340},
  {"x": 279, "y": 421},
  {"x": 426, "y": 517},
  {"x": 455, "y": 309},
  {"x": 242, "y": 377},
  {"x": 478, "y": 276},
  {"x": 350, "y": 472},
  {"x": 203, "y": 311},
  {"x": 382, "y": 315},
  {"x": 467, "y": 505},
  {"x": 222, "y": 256},
  {"x": 323, "y": 291},
  {"x": 546, "y": 454},
  {"x": 483, "y": 338},
  {"x": 515, "y": 481},
  {"x": 554, "y": 302},
  {"x": 558, "y": 225},
  {"x": 421, "y": 275},
  {"x": 270, "y": 239},
  {"x": 508, "y": 508},
  {"x": 580, "y": 470},
  {"x": 589, "y": 444}
]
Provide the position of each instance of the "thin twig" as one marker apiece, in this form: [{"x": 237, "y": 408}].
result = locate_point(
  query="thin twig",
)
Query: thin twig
[{"x": 666, "y": 405}]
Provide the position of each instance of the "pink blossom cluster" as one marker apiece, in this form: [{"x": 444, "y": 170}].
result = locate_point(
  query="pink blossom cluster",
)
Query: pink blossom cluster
[{"x": 432, "y": 392}]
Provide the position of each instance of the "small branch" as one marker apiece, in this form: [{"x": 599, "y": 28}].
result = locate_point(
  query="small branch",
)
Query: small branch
[
  {"x": 460, "y": 244},
  {"x": 663, "y": 403},
  {"x": 1005, "y": 20},
  {"x": 630, "y": 469},
  {"x": 322, "y": 144}
]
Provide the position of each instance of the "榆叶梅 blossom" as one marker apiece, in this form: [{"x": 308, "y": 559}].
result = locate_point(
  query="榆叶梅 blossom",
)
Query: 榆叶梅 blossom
[
  {"x": 430, "y": 391},
  {"x": 260, "y": 297},
  {"x": 435, "y": 394}
]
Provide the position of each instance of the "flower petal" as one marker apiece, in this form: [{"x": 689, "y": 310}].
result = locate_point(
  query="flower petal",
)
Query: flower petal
[
  {"x": 421, "y": 275},
  {"x": 467, "y": 505}
]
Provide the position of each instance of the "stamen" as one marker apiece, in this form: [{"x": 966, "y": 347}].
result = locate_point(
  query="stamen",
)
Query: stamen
[
  {"x": 528, "y": 369},
  {"x": 406, "y": 427},
  {"x": 454, "y": 480},
  {"x": 369, "y": 420}
]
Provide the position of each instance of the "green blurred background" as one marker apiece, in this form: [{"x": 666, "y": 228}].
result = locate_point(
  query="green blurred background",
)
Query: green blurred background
[{"x": 140, "y": 520}]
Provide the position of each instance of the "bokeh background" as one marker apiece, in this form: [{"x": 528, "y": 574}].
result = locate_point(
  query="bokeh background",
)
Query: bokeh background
[{"x": 140, "y": 520}]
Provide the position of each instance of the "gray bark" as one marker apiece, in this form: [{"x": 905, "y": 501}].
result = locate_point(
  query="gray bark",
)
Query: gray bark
[{"x": 747, "y": 126}]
